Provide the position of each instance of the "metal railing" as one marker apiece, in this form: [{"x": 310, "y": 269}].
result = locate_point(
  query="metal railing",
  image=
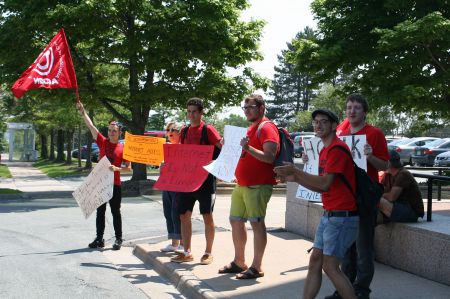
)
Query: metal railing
[
  {"x": 430, "y": 178},
  {"x": 439, "y": 170}
]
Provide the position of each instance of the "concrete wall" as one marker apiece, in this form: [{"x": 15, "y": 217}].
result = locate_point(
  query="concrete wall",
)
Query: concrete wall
[{"x": 421, "y": 248}]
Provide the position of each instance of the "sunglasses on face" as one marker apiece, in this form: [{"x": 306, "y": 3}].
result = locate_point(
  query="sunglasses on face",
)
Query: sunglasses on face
[{"x": 172, "y": 130}]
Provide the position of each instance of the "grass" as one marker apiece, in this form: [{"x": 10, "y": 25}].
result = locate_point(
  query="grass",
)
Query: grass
[
  {"x": 9, "y": 191},
  {"x": 55, "y": 170},
  {"x": 4, "y": 171}
]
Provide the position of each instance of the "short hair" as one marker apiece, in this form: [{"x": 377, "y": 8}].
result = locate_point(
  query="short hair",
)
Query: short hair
[
  {"x": 176, "y": 125},
  {"x": 257, "y": 98},
  {"x": 195, "y": 102},
  {"x": 359, "y": 98},
  {"x": 115, "y": 123}
]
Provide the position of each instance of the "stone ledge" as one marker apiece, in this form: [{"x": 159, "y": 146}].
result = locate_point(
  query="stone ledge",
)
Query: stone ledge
[{"x": 421, "y": 248}]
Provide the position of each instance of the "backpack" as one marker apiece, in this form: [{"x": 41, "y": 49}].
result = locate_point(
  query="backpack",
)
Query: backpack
[
  {"x": 368, "y": 192},
  {"x": 203, "y": 139},
  {"x": 286, "y": 153}
]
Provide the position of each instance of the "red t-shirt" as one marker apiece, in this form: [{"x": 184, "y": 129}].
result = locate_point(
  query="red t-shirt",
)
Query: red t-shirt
[
  {"x": 194, "y": 134},
  {"x": 377, "y": 141},
  {"x": 114, "y": 153},
  {"x": 339, "y": 197},
  {"x": 251, "y": 171}
]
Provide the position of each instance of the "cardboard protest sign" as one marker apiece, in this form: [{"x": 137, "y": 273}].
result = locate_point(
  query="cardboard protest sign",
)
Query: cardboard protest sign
[
  {"x": 96, "y": 189},
  {"x": 311, "y": 148},
  {"x": 183, "y": 167},
  {"x": 143, "y": 149},
  {"x": 356, "y": 145},
  {"x": 225, "y": 165}
]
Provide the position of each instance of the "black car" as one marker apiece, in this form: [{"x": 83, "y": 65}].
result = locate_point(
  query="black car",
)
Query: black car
[{"x": 425, "y": 155}]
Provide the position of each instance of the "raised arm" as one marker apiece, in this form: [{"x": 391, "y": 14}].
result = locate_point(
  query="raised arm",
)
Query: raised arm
[{"x": 87, "y": 120}]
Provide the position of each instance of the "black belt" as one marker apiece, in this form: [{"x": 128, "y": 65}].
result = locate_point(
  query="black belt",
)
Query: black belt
[{"x": 340, "y": 213}]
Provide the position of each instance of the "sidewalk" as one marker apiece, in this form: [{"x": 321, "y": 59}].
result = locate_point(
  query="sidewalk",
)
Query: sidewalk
[{"x": 285, "y": 261}]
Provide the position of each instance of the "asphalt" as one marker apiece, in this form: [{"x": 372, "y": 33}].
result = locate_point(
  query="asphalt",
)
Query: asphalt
[{"x": 285, "y": 261}]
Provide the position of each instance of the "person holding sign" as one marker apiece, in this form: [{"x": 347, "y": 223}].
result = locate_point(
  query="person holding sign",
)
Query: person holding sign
[
  {"x": 338, "y": 226},
  {"x": 358, "y": 264},
  {"x": 196, "y": 133},
  {"x": 112, "y": 149},
  {"x": 255, "y": 180},
  {"x": 169, "y": 199}
]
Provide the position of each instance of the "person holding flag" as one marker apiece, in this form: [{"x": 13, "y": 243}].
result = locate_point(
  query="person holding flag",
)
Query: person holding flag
[{"x": 113, "y": 150}]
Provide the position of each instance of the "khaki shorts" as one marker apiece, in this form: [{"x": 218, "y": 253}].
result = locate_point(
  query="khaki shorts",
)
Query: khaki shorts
[{"x": 250, "y": 202}]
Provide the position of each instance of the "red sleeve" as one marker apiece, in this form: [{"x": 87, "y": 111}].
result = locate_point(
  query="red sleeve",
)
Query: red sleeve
[
  {"x": 336, "y": 161},
  {"x": 101, "y": 141},
  {"x": 213, "y": 135},
  {"x": 269, "y": 132},
  {"x": 379, "y": 145}
]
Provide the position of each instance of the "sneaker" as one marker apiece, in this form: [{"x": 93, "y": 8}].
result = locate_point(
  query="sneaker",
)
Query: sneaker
[
  {"x": 206, "y": 259},
  {"x": 179, "y": 249},
  {"x": 169, "y": 248},
  {"x": 117, "y": 244},
  {"x": 97, "y": 243},
  {"x": 182, "y": 258},
  {"x": 335, "y": 295}
]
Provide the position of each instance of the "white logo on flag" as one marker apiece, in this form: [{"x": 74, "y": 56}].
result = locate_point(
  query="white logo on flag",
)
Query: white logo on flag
[{"x": 48, "y": 59}]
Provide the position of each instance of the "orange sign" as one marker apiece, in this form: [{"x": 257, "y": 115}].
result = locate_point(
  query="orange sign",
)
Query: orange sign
[
  {"x": 143, "y": 149},
  {"x": 183, "y": 167}
]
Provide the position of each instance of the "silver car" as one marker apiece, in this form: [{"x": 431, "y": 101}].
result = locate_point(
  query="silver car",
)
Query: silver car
[
  {"x": 442, "y": 160},
  {"x": 298, "y": 143},
  {"x": 405, "y": 148}
]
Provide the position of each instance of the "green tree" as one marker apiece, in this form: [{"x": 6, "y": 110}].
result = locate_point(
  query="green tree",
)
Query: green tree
[
  {"x": 232, "y": 120},
  {"x": 133, "y": 55},
  {"x": 395, "y": 52},
  {"x": 291, "y": 88}
]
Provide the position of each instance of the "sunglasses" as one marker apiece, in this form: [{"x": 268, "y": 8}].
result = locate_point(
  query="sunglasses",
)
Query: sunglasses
[{"x": 172, "y": 130}]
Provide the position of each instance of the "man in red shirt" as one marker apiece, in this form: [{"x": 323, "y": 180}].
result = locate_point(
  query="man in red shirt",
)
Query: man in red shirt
[
  {"x": 112, "y": 149},
  {"x": 255, "y": 180},
  {"x": 359, "y": 262},
  {"x": 339, "y": 224},
  {"x": 205, "y": 195}
]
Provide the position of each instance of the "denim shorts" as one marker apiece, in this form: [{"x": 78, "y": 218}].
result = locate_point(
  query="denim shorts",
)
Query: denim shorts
[{"x": 335, "y": 235}]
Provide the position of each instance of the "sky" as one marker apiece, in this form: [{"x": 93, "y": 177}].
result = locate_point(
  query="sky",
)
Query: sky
[{"x": 284, "y": 19}]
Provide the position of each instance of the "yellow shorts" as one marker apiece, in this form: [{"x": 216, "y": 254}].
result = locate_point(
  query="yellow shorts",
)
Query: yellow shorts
[{"x": 250, "y": 202}]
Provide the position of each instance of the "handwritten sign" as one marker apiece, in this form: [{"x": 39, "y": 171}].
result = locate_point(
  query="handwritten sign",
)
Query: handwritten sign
[
  {"x": 96, "y": 189},
  {"x": 356, "y": 145},
  {"x": 225, "y": 165},
  {"x": 311, "y": 148},
  {"x": 143, "y": 149},
  {"x": 183, "y": 167}
]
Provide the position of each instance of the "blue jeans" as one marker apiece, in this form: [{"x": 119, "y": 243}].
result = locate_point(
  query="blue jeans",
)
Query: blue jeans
[
  {"x": 358, "y": 263},
  {"x": 171, "y": 214}
]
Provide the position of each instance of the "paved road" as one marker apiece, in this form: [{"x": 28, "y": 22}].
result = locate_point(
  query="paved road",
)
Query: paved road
[{"x": 44, "y": 254}]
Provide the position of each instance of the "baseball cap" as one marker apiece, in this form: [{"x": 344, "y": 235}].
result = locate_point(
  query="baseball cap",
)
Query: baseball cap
[
  {"x": 394, "y": 159},
  {"x": 331, "y": 115}
]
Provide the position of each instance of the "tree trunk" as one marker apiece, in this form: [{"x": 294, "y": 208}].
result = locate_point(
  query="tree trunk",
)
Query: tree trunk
[
  {"x": 52, "y": 145},
  {"x": 69, "y": 134},
  {"x": 44, "y": 150},
  {"x": 60, "y": 146}
]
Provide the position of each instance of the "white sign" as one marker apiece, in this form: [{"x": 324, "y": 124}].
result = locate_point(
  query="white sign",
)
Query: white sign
[
  {"x": 225, "y": 165},
  {"x": 356, "y": 145},
  {"x": 96, "y": 189},
  {"x": 311, "y": 148}
]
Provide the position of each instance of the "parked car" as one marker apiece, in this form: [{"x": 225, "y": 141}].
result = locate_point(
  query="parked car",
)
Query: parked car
[
  {"x": 160, "y": 134},
  {"x": 94, "y": 149},
  {"x": 295, "y": 134},
  {"x": 298, "y": 144},
  {"x": 442, "y": 160},
  {"x": 425, "y": 155},
  {"x": 405, "y": 148}
]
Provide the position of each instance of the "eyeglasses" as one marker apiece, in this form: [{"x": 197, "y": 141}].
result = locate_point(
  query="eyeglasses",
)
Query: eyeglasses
[
  {"x": 248, "y": 107},
  {"x": 323, "y": 122},
  {"x": 172, "y": 130}
]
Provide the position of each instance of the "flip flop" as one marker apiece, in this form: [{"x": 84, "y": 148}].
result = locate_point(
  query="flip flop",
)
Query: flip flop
[
  {"x": 250, "y": 273},
  {"x": 231, "y": 268}
]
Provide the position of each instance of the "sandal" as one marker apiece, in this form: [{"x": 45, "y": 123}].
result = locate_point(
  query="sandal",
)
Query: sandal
[
  {"x": 231, "y": 268},
  {"x": 250, "y": 273}
]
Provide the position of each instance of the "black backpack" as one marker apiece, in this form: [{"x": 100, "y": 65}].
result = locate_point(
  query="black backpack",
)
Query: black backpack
[
  {"x": 368, "y": 192},
  {"x": 286, "y": 153}
]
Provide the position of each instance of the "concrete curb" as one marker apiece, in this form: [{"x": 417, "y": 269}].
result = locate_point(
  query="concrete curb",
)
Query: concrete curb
[{"x": 183, "y": 279}]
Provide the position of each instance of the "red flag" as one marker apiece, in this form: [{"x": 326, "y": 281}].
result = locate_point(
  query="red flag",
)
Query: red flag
[{"x": 52, "y": 69}]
